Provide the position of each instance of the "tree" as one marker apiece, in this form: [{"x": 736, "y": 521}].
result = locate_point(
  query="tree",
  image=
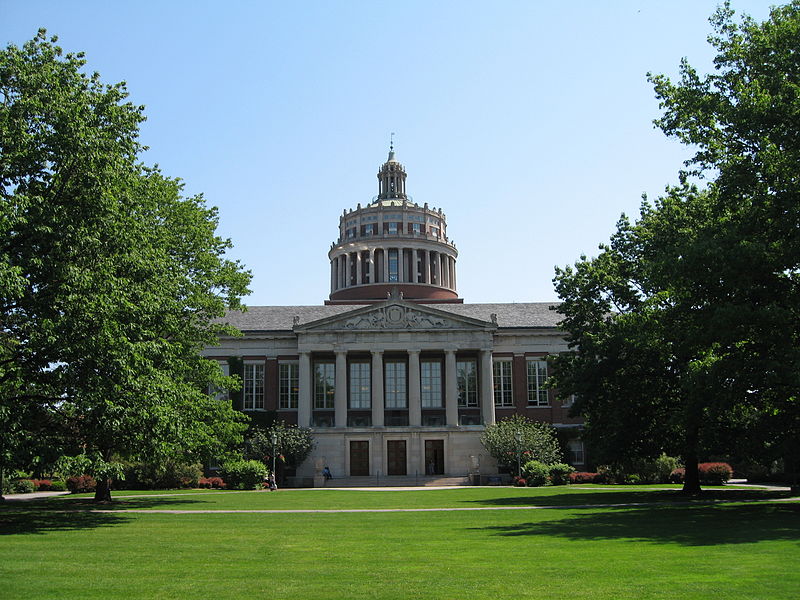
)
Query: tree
[
  {"x": 112, "y": 280},
  {"x": 684, "y": 329},
  {"x": 537, "y": 441},
  {"x": 293, "y": 444}
]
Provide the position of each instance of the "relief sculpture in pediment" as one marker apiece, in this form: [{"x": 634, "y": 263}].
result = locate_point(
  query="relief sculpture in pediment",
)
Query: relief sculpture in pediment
[{"x": 397, "y": 317}]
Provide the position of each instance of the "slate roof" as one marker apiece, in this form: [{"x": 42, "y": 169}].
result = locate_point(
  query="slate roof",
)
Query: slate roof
[{"x": 509, "y": 315}]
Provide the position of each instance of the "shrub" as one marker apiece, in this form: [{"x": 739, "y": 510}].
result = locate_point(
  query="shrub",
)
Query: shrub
[
  {"x": 664, "y": 466},
  {"x": 211, "y": 482},
  {"x": 677, "y": 475},
  {"x": 244, "y": 474},
  {"x": 560, "y": 472},
  {"x": 166, "y": 475},
  {"x": 584, "y": 477},
  {"x": 22, "y": 486},
  {"x": 714, "y": 473},
  {"x": 58, "y": 486},
  {"x": 82, "y": 483},
  {"x": 42, "y": 485},
  {"x": 519, "y": 481},
  {"x": 536, "y": 473},
  {"x": 634, "y": 479}
]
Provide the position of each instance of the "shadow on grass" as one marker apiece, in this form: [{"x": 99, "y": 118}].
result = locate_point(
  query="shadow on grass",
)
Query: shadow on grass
[
  {"x": 698, "y": 525},
  {"x": 65, "y": 513},
  {"x": 572, "y": 497}
]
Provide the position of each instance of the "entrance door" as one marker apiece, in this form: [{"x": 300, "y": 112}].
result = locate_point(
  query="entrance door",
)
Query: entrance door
[
  {"x": 359, "y": 459},
  {"x": 396, "y": 457},
  {"x": 434, "y": 457}
]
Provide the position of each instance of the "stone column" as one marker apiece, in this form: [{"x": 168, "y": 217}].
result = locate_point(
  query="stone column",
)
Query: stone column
[
  {"x": 400, "y": 269},
  {"x": 333, "y": 275},
  {"x": 427, "y": 266},
  {"x": 451, "y": 388},
  {"x": 445, "y": 270},
  {"x": 454, "y": 274},
  {"x": 347, "y": 270},
  {"x": 487, "y": 387},
  {"x": 372, "y": 265},
  {"x": 340, "y": 391},
  {"x": 359, "y": 268},
  {"x": 414, "y": 390},
  {"x": 414, "y": 263},
  {"x": 304, "y": 393},
  {"x": 385, "y": 278},
  {"x": 377, "y": 388}
]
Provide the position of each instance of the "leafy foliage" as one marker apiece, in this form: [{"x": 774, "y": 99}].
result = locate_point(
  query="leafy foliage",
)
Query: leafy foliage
[
  {"x": 112, "y": 281},
  {"x": 684, "y": 331},
  {"x": 537, "y": 441},
  {"x": 244, "y": 474},
  {"x": 293, "y": 444}
]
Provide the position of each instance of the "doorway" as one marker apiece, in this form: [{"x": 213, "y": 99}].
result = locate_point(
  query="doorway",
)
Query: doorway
[
  {"x": 396, "y": 457},
  {"x": 359, "y": 459},
  {"x": 434, "y": 457}
]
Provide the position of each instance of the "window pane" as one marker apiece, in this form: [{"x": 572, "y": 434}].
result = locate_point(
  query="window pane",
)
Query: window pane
[
  {"x": 288, "y": 385},
  {"x": 253, "y": 391},
  {"x": 395, "y": 381},
  {"x": 431, "y": 384},
  {"x": 503, "y": 394},
  {"x": 324, "y": 385},
  {"x": 467, "y": 376},
  {"x": 360, "y": 385},
  {"x": 537, "y": 373}
]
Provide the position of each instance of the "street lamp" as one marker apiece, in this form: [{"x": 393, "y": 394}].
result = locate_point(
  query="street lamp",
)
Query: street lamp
[
  {"x": 518, "y": 437},
  {"x": 274, "y": 445}
]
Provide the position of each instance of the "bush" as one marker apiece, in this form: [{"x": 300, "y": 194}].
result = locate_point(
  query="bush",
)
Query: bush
[
  {"x": 560, "y": 472},
  {"x": 519, "y": 481},
  {"x": 677, "y": 475},
  {"x": 22, "y": 486},
  {"x": 244, "y": 474},
  {"x": 58, "y": 486},
  {"x": 82, "y": 483},
  {"x": 162, "y": 476},
  {"x": 634, "y": 479},
  {"x": 536, "y": 473},
  {"x": 714, "y": 473},
  {"x": 211, "y": 482},
  {"x": 584, "y": 477}
]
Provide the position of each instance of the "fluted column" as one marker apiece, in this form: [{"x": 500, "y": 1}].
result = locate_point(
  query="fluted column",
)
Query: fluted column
[
  {"x": 414, "y": 390},
  {"x": 377, "y": 388},
  {"x": 372, "y": 265},
  {"x": 414, "y": 263},
  {"x": 451, "y": 388},
  {"x": 427, "y": 266},
  {"x": 340, "y": 390},
  {"x": 359, "y": 269},
  {"x": 347, "y": 270},
  {"x": 304, "y": 391},
  {"x": 445, "y": 271},
  {"x": 487, "y": 387}
]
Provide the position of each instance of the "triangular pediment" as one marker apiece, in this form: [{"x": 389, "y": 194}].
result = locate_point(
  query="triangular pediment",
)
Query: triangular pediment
[{"x": 395, "y": 315}]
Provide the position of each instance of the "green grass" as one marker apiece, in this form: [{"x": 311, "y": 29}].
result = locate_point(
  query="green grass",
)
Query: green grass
[{"x": 58, "y": 549}]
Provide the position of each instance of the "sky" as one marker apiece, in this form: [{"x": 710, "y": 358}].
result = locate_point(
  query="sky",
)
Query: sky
[{"x": 529, "y": 123}]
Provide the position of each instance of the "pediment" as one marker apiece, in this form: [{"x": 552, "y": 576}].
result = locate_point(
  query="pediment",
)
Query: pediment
[{"x": 396, "y": 315}]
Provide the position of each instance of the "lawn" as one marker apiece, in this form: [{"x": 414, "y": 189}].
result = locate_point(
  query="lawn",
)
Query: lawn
[{"x": 668, "y": 549}]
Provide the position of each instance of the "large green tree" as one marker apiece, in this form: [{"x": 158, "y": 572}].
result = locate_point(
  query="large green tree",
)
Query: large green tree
[
  {"x": 684, "y": 329},
  {"x": 112, "y": 281}
]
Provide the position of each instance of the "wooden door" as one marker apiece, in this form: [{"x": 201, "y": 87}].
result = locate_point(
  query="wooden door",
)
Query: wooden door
[
  {"x": 396, "y": 457},
  {"x": 359, "y": 459}
]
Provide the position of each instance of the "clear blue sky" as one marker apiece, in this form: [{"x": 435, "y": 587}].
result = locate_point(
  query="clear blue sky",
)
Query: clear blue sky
[{"x": 529, "y": 123}]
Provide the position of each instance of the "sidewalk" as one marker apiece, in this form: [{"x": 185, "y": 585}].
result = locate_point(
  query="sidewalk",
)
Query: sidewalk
[{"x": 32, "y": 495}]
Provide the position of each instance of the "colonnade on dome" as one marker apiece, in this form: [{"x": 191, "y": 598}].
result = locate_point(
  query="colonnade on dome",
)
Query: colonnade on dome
[{"x": 392, "y": 242}]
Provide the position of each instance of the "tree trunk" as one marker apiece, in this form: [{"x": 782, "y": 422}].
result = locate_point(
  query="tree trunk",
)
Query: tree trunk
[
  {"x": 691, "y": 480},
  {"x": 102, "y": 492}
]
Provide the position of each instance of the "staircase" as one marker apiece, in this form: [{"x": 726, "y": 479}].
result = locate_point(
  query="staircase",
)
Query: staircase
[{"x": 396, "y": 481}]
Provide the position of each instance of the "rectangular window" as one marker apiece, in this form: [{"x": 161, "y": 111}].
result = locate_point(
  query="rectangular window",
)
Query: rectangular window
[
  {"x": 537, "y": 374},
  {"x": 253, "y": 389},
  {"x": 394, "y": 375},
  {"x": 360, "y": 385},
  {"x": 430, "y": 374},
  {"x": 503, "y": 393},
  {"x": 576, "y": 453},
  {"x": 467, "y": 376},
  {"x": 393, "y": 265},
  {"x": 416, "y": 229},
  {"x": 392, "y": 227},
  {"x": 288, "y": 385},
  {"x": 324, "y": 384}
]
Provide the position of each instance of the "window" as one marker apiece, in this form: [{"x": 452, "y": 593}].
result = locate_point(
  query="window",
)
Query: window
[
  {"x": 430, "y": 374},
  {"x": 393, "y": 265},
  {"x": 537, "y": 373},
  {"x": 324, "y": 384},
  {"x": 395, "y": 378},
  {"x": 576, "y": 453},
  {"x": 360, "y": 385},
  {"x": 467, "y": 376},
  {"x": 288, "y": 385},
  {"x": 392, "y": 227},
  {"x": 253, "y": 393},
  {"x": 416, "y": 228},
  {"x": 503, "y": 393}
]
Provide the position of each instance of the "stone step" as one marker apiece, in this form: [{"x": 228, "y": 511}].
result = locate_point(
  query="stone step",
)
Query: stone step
[{"x": 396, "y": 481}]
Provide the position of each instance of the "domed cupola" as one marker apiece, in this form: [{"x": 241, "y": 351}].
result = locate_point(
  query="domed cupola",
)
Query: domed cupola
[{"x": 393, "y": 243}]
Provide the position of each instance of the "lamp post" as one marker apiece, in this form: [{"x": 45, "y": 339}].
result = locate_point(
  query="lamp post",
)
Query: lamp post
[
  {"x": 518, "y": 437},
  {"x": 274, "y": 445}
]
